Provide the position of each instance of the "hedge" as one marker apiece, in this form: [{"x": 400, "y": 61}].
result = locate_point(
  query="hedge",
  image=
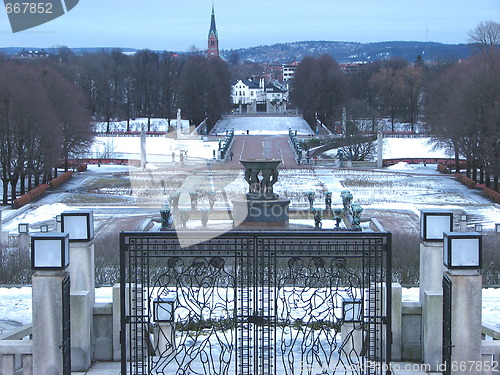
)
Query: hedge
[
  {"x": 60, "y": 179},
  {"x": 465, "y": 180},
  {"x": 443, "y": 168},
  {"x": 30, "y": 195},
  {"x": 489, "y": 193},
  {"x": 492, "y": 194},
  {"x": 81, "y": 167}
]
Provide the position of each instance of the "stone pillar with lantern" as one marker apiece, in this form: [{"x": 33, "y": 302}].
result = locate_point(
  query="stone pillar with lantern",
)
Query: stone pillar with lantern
[
  {"x": 164, "y": 319},
  {"x": 79, "y": 225},
  {"x": 51, "y": 305},
  {"x": 351, "y": 331},
  {"x": 433, "y": 223},
  {"x": 462, "y": 298}
]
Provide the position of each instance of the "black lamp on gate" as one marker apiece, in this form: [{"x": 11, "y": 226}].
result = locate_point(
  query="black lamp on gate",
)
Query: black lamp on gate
[
  {"x": 434, "y": 222},
  {"x": 78, "y": 224},
  {"x": 163, "y": 308},
  {"x": 462, "y": 250},
  {"x": 23, "y": 228},
  {"x": 351, "y": 310},
  {"x": 49, "y": 251}
]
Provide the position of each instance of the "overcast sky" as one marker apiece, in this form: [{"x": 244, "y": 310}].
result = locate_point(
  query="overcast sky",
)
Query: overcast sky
[{"x": 176, "y": 25}]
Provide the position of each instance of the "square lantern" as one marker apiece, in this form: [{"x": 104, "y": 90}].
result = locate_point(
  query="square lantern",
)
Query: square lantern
[
  {"x": 478, "y": 228},
  {"x": 44, "y": 228},
  {"x": 434, "y": 222},
  {"x": 463, "y": 217},
  {"x": 49, "y": 251},
  {"x": 163, "y": 308},
  {"x": 78, "y": 224},
  {"x": 352, "y": 310},
  {"x": 462, "y": 250},
  {"x": 23, "y": 228},
  {"x": 497, "y": 227}
]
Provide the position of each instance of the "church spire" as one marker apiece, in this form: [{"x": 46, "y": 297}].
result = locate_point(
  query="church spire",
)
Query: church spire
[
  {"x": 213, "y": 27},
  {"x": 213, "y": 38}
]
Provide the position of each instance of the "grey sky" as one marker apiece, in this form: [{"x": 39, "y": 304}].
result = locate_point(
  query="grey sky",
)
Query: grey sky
[{"x": 179, "y": 24}]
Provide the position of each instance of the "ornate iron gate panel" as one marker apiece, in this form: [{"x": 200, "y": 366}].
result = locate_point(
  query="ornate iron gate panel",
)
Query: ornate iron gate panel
[
  {"x": 255, "y": 302},
  {"x": 447, "y": 344}
]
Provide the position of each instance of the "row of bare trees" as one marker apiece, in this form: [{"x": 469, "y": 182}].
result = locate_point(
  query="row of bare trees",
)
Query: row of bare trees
[
  {"x": 459, "y": 102},
  {"x": 464, "y": 106},
  {"x": 151, "y": 84},
  {"x": 42, "y": 120},
  {"x": 47, "y": 107},
  {"x": 387, "y": 88}
]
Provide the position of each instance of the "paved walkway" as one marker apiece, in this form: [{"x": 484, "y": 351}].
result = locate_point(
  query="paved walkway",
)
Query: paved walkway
[{"x": 262, "y": 147}]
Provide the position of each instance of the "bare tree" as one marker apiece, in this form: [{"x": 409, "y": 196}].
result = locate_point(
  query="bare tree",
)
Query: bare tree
[
  {"x": 69, "y": 107},
  {"x": 26, "y": 125},
  {"x": 319, "y": 88},
  {"x": 486, "y": 34},
  {"x": 204, "y": 89}
]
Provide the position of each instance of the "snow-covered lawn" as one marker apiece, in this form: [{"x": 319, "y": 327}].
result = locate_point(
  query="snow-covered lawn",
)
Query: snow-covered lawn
[
  {"x": 159, "y": 149},
  {"x": 263, "y": 125}
]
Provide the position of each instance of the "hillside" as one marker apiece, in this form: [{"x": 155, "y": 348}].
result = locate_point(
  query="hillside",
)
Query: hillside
[{"x": 345, "y": 52}]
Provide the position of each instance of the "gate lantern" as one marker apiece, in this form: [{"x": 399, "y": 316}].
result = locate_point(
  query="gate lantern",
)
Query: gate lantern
[
  {"x": 462, "y": 250},
  {"x": 49, "y": 251},
  {"x": 163, "y": 308},
  {"x": 434, "y": 222},
  {"x": 23, "y": 228},
  {"x": 351, "y": 310},
  {"x": 78, "y": 224}
]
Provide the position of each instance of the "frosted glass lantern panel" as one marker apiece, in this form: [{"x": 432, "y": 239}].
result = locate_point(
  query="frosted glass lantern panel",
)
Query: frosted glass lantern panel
[
  {"x": 48, "y": 253},
  {"x": 465, "y": 252},
  {"x": 352, "y": 310},
  {"x": 76, "y": 226},
  {"x": 164, "y": 311},
  {"x": 436, "y": 225}
]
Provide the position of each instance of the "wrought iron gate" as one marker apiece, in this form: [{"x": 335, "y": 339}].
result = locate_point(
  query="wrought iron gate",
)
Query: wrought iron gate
[
  {"x": 447, "y": 344},
  {"x": 66, "y": 326},
  {"x": 256, "y": 302}
]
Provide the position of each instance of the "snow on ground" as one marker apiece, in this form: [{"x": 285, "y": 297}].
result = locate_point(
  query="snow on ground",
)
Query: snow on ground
[
  {"x": 35, "y": 217},
  {"x": 400, "y": 148},
  {"x": 158, "y": 149},
  {"x": 263, "y": 125},
  {"x": 397, "y": 148}
]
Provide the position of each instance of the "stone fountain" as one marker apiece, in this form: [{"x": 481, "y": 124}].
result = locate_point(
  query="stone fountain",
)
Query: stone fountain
[{"x": 261, "y": 206}]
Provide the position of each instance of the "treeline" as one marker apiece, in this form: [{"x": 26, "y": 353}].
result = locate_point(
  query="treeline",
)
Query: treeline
[
  {"x": 388, "y": 88},
  {"x": 47, "y": 106},
  {"x": 151, "y": 84},
  {"x": 459, "y": 102},
  {"x": 42, "y": 120}
]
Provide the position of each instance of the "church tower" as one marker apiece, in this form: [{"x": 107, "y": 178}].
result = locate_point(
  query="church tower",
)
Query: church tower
[{"x": 213, "y": 39}]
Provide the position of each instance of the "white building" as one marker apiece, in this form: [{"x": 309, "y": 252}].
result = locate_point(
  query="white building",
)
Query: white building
[
  {"x": 256, "y": 97},
  {"x": 289, "y": 71},
  {"x": 247, "y": 91},
  {"x": 274, "y": 93}
]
